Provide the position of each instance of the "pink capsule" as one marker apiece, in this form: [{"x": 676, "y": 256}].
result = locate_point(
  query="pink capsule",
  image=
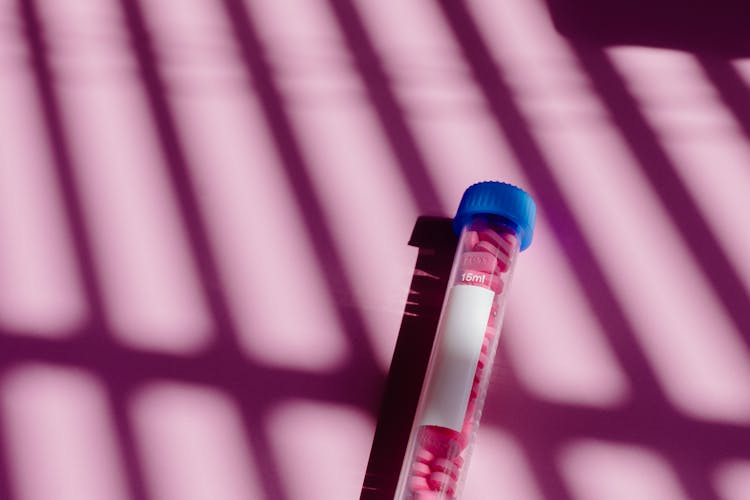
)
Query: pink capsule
[
  {"x": 417, "y": 483},
  {"x": 497, "y": 239},
  {"x": 421, "y": 469},
  {"x": 425, "y": 456},
  {"x": 488, "y": 247},
  {"x": 442, "y": 482},
  {"x": 470, "y": 240},
  {"x": 447, "y": 466},
  {"x": 440, "y": 441},
  {"x": 468, "y": 428}
]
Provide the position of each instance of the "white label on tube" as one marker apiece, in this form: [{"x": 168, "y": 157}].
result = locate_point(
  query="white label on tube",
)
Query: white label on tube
[{"x": 460, "y": 334}]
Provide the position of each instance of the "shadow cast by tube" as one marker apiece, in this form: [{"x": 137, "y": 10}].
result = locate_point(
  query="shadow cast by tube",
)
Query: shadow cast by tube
[{"x": 436, "y": 241}]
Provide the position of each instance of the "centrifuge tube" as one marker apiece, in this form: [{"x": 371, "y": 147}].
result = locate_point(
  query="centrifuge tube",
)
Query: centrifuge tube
[{"x": 494, "y": 221}]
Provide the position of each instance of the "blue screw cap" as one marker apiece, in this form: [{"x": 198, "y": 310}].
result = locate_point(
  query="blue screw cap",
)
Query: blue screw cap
[{"x": 501, "y": 199}]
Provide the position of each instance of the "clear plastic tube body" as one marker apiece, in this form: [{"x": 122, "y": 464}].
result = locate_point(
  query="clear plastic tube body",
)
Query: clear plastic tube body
[{"x": 458, "y": 373}]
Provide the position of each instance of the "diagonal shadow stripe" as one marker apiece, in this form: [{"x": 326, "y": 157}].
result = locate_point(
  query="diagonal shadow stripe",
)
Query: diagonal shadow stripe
[
  {"x": 391, "y": 114},
  {"x": 298, "y": 177},
  {"x": 732, "y": 89},
  {"x": 668, "y": 186},
  {"x": 177, "y": 166},
  {"x": 49, "y": 101}
]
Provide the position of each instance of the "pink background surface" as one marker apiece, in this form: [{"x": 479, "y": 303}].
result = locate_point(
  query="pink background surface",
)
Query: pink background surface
[{"x": 204, "y": 214}]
